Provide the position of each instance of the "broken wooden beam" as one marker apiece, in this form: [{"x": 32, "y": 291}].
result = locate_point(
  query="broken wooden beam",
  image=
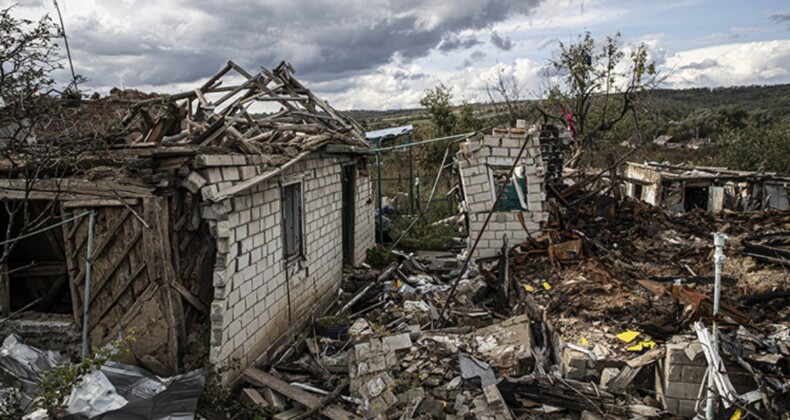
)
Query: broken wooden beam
[{"x": 258, "y": 377}]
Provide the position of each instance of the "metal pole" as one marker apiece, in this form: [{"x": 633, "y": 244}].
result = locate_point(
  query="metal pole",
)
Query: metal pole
[
  {"x": 411, "y": 176},
  {"x": 718, "y": 262},
  {"x": 409, "y": 145},
  {"x": 86, "y": 302},
  {"x": 418, "y": 198},
  {"x": 378, "y": 200}
]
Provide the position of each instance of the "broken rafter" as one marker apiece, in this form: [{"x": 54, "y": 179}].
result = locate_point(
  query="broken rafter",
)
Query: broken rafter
[{"x": 302, "y": 114}]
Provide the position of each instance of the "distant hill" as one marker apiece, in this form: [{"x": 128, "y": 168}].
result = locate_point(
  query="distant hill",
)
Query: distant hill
[
  {"x": 773, "y": 99},
  {"x": 671, "y": 103}
]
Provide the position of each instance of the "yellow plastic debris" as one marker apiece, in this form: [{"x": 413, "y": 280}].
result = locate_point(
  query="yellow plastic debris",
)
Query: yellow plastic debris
[
  {"x": 736, "y": 415},
  {"x": 529, "y": 288},
  {"x": 642, "y": 345},
  {"x": 584, "y": 340},
  {"x": 546, "y": 285},
  {"x": 628, "y": 336}
]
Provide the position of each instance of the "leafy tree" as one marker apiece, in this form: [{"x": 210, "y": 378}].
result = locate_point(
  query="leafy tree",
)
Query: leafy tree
[
  {"x": 467, "y": 122},
  {"x": 733, "y": 117},
  {"x": 755, "y": 148},
  {"x": 600, "y": 86},
  {"x": 437, "y": 103}
]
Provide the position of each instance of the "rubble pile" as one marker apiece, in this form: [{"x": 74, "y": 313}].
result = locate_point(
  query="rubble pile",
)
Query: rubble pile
[{"x": 594, "y": 315}]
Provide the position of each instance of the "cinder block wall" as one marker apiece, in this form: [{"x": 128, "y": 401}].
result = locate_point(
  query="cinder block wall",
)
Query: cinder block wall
[
  {"x": 684, "y": 370},
  {"x": 474, "y": 161},
  {"x": 364, "y": 219},
  {"x": 259, "y": 298},
  {"x": 651, "y": 193}
]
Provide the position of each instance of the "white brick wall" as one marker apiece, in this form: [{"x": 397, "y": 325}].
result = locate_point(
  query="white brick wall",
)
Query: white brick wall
[
  {"x": 251, "y": 309},
  {"x": 474, "y": 160}
]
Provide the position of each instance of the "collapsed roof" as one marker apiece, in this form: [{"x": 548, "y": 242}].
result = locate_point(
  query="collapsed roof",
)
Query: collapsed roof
[{"x": 222, "y": 112}]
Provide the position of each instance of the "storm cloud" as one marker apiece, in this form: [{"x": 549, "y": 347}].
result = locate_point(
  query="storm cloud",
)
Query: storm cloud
[
  {"x": 504, "y": 44},
  {"x": 151, "y": 42}
]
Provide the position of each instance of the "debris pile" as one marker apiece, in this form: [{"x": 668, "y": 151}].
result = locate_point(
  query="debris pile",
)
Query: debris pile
[
  {"x": 105, "y": 390},
  {"x": 586, "y": 319}
]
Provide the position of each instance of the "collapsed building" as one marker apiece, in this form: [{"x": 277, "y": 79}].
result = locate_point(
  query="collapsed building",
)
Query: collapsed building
[
  {"x": 682, "y": 188},
  {"x": 219, "y": 218},
  {"x": 483, "y": 163}
]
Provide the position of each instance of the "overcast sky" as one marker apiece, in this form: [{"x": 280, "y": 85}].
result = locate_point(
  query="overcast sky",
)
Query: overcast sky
[{"x": 383, "y": 54}]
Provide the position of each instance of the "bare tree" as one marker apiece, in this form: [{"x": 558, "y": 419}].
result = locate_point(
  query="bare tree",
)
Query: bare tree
[
  {"x": 29, "y": 106},
  {"x": 598, "y": 87},
  {"x": 505, "y": 94}
]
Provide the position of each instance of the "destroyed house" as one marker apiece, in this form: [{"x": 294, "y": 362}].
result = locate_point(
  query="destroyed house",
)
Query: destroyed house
[
  {"x": 483, "y": 165},
  {"x": 218, "y": 226},
  {"x": 683, "y": 188}
]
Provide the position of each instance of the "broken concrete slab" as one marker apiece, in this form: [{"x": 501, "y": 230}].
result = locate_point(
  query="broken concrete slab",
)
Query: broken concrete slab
[{"x": 507, "y": 347}]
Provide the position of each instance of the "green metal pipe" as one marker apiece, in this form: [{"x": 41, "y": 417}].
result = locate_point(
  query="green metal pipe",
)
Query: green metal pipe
[
  {"x": 378, "y": 199},
  {"x": 411, "y": 176},
  {"x": 86, "y": 301}
]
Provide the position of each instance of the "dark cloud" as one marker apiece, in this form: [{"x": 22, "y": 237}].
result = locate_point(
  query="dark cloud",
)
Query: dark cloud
[
  {"x": 702, "y": 65},
  {"x": 781, "y": 18},
  {"x": 504, "y": 44},
  {"x": 181, "y": 41},
  {"x": 402, "y": 75},
  {"x": 475, "y": 57},
  {"x": 454, "y": 42}
]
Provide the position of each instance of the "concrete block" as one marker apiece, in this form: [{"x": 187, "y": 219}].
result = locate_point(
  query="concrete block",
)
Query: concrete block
[
  {"x": 682, "y": 390},
  {"x": 203, "y": 161},
  {"x": 686, "y": 408},
  {"x": 222, "y": 208},
  {"x": 193, "y": 182},
  {"x": 396, "y": 342},
  {"x": 491, "y": 141}
]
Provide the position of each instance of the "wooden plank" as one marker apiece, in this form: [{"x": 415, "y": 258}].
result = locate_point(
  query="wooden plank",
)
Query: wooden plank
[
  {"x": 258, "y": 377},
  {"x": 100, "y": 203},
  {"x": 252, "y": 396},
  {"x": 116, "y": 295},
  {"x": 71, "y": 188},
  {"x": 97, "y": 287},
  {"x": 70, "y": 263},
  {"x": 156, "y": 249},
  {"x": 621, "y": 381},
  {"x": 42, "y": 269},
  {"x": 647, "y": 358},
  {"x": 75, "y": 225},
  {"x": 192, "y": 299},
  {"x": 109, "y": 236}
]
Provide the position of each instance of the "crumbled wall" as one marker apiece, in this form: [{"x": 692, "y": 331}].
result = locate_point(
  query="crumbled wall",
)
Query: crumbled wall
[
  {"x": 259, "y": 297},
  {"x": 651, "y": 193},
  {"x": 501, "y": 149},
  {"x": 684, "y": 371}
]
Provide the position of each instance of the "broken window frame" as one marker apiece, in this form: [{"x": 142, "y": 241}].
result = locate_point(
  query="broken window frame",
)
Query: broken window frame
[
  {"x": 518, "y": 182},
  {"x": 35, "y": 274},
  {"x": 289, "y": 199}
]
